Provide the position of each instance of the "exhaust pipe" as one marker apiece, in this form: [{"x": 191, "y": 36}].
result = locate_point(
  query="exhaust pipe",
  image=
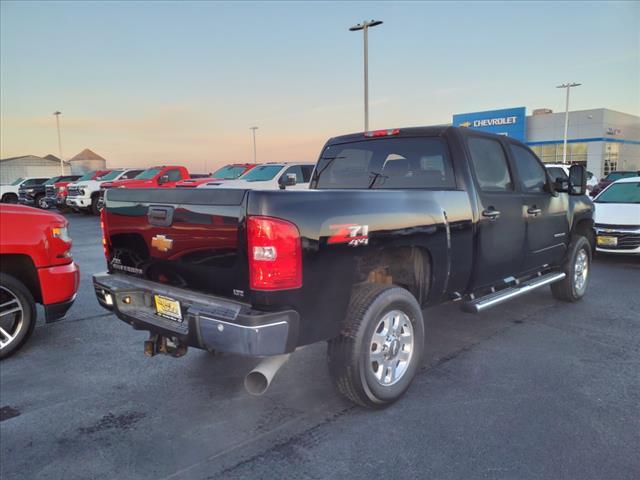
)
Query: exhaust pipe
[{"x": 258, "y": 380}]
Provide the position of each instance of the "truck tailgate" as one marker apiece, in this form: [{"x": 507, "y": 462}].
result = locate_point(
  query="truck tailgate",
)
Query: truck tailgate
[{"x": 189, "y": 238}]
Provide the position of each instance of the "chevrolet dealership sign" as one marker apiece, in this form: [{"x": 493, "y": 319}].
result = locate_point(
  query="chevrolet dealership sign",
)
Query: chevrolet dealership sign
[{"x": 508, "y": 121}]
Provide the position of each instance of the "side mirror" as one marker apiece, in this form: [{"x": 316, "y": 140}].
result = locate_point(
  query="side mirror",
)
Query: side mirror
[
  {"x": 577, "y": 180},
  {"x": 163, "y": 179},
  {"x": 288, "y": 180}
]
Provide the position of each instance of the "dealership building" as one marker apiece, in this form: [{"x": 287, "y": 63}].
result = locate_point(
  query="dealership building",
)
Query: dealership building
[{"x": 604, "y": 140}]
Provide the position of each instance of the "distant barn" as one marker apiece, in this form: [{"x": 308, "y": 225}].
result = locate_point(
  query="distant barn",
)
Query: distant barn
[
  {"x": 29, "y": 166},
  {"x": 86, "y": 161}
]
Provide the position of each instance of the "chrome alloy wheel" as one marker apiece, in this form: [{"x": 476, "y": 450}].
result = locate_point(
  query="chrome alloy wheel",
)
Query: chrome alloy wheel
[
  {"x": 391, "y": 348},
  {"x": 581, "y": 271},
  {"x": 42, "y": 203},
  {"x": 11, "y": 317}
]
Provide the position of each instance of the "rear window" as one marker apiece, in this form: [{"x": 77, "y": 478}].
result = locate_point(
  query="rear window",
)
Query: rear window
[
  {"x": 86, "y": 176},
  {"x": 386, "y": 163},
  {"x": 52, "y": 180},
  {"x": 557, "y": 172}
]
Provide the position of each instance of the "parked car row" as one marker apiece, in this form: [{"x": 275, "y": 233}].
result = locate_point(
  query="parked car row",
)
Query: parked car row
[{"x": 86, "y": 193}]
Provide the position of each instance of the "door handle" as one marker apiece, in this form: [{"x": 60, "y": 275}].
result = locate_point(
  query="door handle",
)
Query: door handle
[
  {"x": 491, "y": 213},
  {"x": 534, "y": 211}
]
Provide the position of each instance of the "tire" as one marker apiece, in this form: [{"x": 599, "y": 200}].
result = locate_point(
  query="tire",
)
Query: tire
[
  {"x": 351, "y": 355},
  {"x": 577, "y": 267},
  {"x": 40, "y": 202},
  {"x": 9, "y": 198},
  {"x": 95, "y": 205},
  {"x": 17, "y": 325}
]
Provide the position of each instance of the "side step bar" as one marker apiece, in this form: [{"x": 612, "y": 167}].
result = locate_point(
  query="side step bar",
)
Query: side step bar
[{"x": 491, "y": 300}]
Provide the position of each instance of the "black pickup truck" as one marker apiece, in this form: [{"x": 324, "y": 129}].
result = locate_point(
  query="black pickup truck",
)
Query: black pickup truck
[{"x": 394, "y": 221}]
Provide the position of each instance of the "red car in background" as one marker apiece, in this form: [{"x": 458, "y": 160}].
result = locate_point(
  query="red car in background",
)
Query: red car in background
[
  {"x": 154, "y": 177},
  {"x": 228, "y": 172},
  {"x": 36, "y": 266}
]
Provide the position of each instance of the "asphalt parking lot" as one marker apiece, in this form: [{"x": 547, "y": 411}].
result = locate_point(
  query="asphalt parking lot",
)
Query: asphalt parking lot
[{"x": 532, "y": 389}]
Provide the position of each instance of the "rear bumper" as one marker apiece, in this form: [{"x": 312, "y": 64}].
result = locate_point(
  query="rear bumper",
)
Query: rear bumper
[{"x": 208, "y": 322}]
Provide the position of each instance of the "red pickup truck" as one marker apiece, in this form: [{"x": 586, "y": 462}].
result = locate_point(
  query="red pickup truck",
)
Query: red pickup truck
[
  {"x": 35, "y": 267},
  {"x": 228, "y": 172},
  {"x": 154, "y": 177}
]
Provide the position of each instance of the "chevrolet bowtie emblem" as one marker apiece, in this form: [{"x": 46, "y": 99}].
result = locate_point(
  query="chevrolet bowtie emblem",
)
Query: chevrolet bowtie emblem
[
  {"x": 162, "y": 243},
  {"x": 465, "y": 124}
]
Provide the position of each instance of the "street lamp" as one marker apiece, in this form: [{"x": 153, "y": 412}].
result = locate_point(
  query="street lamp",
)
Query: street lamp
[
  {"x": 566, "y": 118},
  {"x": 57, "y": 115},
  {"x": 254, "y": 143},
  {"x": 364, "y": 26}
]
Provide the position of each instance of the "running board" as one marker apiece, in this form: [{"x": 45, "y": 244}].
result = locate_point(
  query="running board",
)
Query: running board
[{"x": 491, "y": 300}]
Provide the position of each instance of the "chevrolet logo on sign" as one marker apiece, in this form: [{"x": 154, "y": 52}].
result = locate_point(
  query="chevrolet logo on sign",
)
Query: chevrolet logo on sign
[
  {"x": 465, "y": 124},
  {"x": 162, "y": 243}
]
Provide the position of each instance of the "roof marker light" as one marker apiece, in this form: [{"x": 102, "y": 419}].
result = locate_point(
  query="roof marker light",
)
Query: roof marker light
[{"x": 382, "y": 133}]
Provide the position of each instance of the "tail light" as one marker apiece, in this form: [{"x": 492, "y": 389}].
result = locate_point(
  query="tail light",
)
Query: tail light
[
  {"x": 275, "y": 254},
  {"x": 103, "y": 228}
]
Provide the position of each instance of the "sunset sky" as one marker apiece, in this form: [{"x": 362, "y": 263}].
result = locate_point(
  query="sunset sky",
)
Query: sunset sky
[{"x": 147, "y": 83}]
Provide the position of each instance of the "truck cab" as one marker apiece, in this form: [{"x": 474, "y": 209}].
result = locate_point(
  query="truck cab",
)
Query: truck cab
[{"x": 154, "y": 177}]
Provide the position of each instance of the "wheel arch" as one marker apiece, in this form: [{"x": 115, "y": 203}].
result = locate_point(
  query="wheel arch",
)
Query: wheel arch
[
  {"x": 406, "y": 266},
  {"x": 22, "y": 268},
  {"x": 584, "y": 227}
]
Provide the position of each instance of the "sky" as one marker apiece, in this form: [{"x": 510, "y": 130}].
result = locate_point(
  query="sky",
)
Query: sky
[{"x": 144, "y": 83}]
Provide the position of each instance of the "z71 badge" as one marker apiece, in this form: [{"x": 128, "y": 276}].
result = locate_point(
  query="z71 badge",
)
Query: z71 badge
[{"x": 351, "y": 234}]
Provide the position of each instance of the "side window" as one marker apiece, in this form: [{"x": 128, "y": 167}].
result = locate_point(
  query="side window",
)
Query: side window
[
  {"x": 174, "y": 175},
  {"x": 131, "y": 174},
  {"x": 297, "y": 170},
  {"x": 490, "y": 164},
  {"x": 307, "y": 170},
  {"x": 532, "y": 174}
]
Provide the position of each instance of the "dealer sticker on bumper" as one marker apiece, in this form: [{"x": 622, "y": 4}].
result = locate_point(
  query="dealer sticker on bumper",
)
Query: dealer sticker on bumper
[
  {"x": 168, "y": 308},
  {"x": 605, "y": 241}
]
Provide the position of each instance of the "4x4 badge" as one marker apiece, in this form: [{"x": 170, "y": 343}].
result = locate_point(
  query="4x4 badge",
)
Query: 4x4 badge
[{"x": 162, "y": 243}]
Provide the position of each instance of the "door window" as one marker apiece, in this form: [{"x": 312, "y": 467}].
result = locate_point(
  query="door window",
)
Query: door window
[
  {"x": 174, "y": 175},
  {"x": 490, "y": 164},
  {"x": 297, "y": 170},
  {"x": 531, "y": 172}
]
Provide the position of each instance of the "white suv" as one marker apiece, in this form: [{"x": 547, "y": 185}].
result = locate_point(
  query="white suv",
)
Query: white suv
[
  {"x": 85, "y": 195},
  {"x": 270, "y": 176}
]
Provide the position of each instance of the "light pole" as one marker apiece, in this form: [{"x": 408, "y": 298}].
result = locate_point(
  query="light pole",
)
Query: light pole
[
  {"x": 254, "y": 143},
  {"x": 364, "y": 26},
  {"x": 566, "y": 118},
  {"x": 57, "y": 115}
]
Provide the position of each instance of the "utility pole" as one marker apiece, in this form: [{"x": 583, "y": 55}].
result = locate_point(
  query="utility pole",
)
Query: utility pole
[
  {"x": 57, "y": 115},
  {"x": 254, "y": 143},
  {"x": 566, "y": 118},
  {"x": 364, "y": 26}
]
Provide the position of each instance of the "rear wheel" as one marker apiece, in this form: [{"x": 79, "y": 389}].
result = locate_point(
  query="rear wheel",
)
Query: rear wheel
[
  {"x": 374, "y": 360},
  {"x": 577, "y": 267},
  {"x": 17, "y": 314}
]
